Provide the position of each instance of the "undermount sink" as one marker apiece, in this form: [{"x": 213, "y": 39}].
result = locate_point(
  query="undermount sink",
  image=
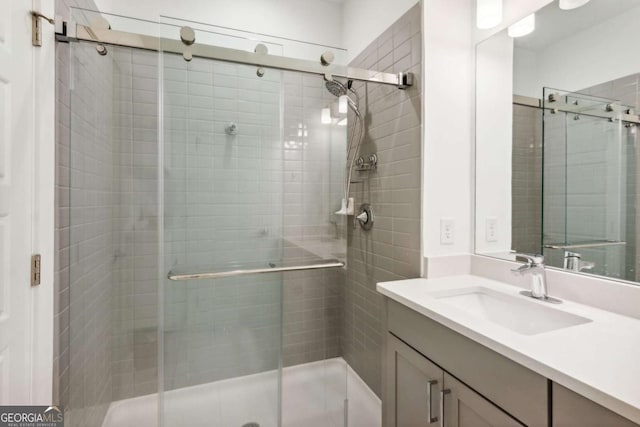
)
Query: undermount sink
[{"x": 515, "y": 312}]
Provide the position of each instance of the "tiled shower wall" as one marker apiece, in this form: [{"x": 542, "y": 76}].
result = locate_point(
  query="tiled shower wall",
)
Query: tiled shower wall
[
  {"x": 135, "y": 223},
  {"x": 314, "y": 162},
  {"x": 391, "y": 250},
  {"x": 526, "y": 189},
  {"x": 232, "y": 199},
  {"x": 223, "y": 204}
]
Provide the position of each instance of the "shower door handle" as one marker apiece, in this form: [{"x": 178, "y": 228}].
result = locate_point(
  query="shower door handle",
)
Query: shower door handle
[{"x": 273, "y": 268}]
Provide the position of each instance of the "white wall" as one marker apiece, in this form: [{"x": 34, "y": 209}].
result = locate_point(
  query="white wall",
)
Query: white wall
[
  {"x": 449, "y": 126},
  {"x": 314, "y": 21},
  {"x": 364, "y": 20},
  {"x": 448, "y": 72},
  {"x": 583, "y": 60},
  {"x": 487, "y": 200},
  {"x": 494, "y": 98}
]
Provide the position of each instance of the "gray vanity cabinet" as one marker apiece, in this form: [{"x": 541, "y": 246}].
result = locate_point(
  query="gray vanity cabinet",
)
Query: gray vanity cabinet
[
  {"x": 502, "y": 383},
  {"x": 464, "y": 407},
  {"x": 414, "y": 384},
  {"x": 482, "y": 388},
  {"x": 414, "y": 397},
  {"x": 572, "y": 410}
]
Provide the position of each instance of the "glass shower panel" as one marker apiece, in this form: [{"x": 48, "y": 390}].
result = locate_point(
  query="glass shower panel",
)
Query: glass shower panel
[
  {"x": 251, "y": 179},
  {"x": 112, "y": 178},
  {"x": 223, "y": 207},
  {"x": 91, "y": 245},
  {"x": 585, "y": 189}
]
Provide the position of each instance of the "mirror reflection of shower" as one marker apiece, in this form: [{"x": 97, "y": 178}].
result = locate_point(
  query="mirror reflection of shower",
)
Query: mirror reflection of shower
[{"x": 340, "y": 90}]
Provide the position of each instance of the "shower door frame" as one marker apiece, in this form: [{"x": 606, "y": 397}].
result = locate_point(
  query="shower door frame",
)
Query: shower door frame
[{"x": 68, "y": 31}]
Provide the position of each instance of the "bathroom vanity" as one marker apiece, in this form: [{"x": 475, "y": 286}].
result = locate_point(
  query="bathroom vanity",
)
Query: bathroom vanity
[{"x": 454, "y": 357}]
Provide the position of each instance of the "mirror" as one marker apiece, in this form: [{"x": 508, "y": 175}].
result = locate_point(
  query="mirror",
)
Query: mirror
[{"x": 557, "y": 156}]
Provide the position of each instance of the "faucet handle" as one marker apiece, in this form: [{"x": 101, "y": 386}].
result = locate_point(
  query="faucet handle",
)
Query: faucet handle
[
  {"x": 531, "y": 259},
  {"x": 521, "y": 269},
  {"x": 586, "y": 265}
]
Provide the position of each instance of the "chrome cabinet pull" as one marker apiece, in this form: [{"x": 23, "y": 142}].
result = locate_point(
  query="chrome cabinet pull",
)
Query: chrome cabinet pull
[
  {"x": 430, "y": 416},
  {"x": 443, "y": 393}
]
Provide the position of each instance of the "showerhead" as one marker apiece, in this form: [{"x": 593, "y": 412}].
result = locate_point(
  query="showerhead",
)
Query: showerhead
[
  {"x": 338, "y": 89},
  {"x": 335, "y": 88}
]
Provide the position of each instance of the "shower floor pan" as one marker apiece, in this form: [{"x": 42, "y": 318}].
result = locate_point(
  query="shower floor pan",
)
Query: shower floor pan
[{"x": 312, "y": 398}]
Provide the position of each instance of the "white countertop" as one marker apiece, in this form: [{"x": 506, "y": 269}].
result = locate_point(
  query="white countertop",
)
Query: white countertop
[{"x": 599, "y": 360}]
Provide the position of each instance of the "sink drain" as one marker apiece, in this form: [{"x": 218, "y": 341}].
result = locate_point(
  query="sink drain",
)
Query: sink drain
[{"x": 251, "y": 424}]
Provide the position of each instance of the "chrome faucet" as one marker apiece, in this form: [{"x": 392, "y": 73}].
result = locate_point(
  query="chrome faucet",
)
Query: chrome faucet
[
  {"x": 573, "y": 262},
  {"x": 534, "y": 266}
]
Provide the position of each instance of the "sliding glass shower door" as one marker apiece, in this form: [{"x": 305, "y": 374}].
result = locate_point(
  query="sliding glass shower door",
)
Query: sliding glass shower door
[
  {"x": 586, "y": 194},
  {"x": 251, "y": 178}
]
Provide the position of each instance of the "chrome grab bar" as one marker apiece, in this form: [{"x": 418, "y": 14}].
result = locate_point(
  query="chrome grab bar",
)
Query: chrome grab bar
[{"x": 273, "y": 268}]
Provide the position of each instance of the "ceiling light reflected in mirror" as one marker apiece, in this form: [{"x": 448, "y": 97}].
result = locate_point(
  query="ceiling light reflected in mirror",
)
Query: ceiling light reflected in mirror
[
  {"x": 572, "y": 4},
  {"x": 523, "y": 27}
]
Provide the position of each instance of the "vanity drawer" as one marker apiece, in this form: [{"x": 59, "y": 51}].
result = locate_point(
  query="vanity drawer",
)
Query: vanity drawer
[{"x": 516, "y": 389}]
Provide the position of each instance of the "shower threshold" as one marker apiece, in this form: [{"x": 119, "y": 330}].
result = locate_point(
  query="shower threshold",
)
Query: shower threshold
[{"x": 307, "y": 401}]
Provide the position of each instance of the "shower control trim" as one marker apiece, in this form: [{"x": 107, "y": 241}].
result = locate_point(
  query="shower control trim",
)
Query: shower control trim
[
  {"x": 371, "y": 163},
  {"x": 365, "y": 216}
]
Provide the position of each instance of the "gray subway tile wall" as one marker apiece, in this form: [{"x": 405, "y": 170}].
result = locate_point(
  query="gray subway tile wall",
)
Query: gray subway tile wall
[
  {"x": 263, "y": 195},
  {"x": 526, "y": 189},
  {"x": 85, "y": 381},
  {"x": 135, "y": 223},
  {"x": 391, "y": 250},
  {"x": 82, "y": 282}
]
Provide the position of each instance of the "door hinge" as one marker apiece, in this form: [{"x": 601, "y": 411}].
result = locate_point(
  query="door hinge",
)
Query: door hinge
[
  {"x": 36, "y": 27},
  {"x": 35, "y": 270}
]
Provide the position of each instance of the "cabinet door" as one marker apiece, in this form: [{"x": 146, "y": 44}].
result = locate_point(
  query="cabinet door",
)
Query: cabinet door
[
  {"x": 464, "y": 407},
  {"x": 412, "y": 387},
  {"x": 572, "y": 410}
]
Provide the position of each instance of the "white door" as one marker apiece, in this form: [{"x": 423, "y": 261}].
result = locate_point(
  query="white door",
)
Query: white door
[{"x": 21, "y": 369}]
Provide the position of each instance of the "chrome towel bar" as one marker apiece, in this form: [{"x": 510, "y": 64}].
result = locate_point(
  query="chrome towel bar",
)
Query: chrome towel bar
[
  {"x": 585, "y": 245},
  {"x": 272, "y": 268}
]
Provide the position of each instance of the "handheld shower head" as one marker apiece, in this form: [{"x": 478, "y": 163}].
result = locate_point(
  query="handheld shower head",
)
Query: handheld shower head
[
  {"x": 338, "y": 89},
  {"x": 335, "y": 88}
]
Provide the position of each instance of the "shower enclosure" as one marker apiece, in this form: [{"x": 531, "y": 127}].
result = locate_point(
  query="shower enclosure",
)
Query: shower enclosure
[
  {"x": 588, "y": 200},
  {"x": 205, "y": 253},
  {"x": 251, "y": 178}
]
